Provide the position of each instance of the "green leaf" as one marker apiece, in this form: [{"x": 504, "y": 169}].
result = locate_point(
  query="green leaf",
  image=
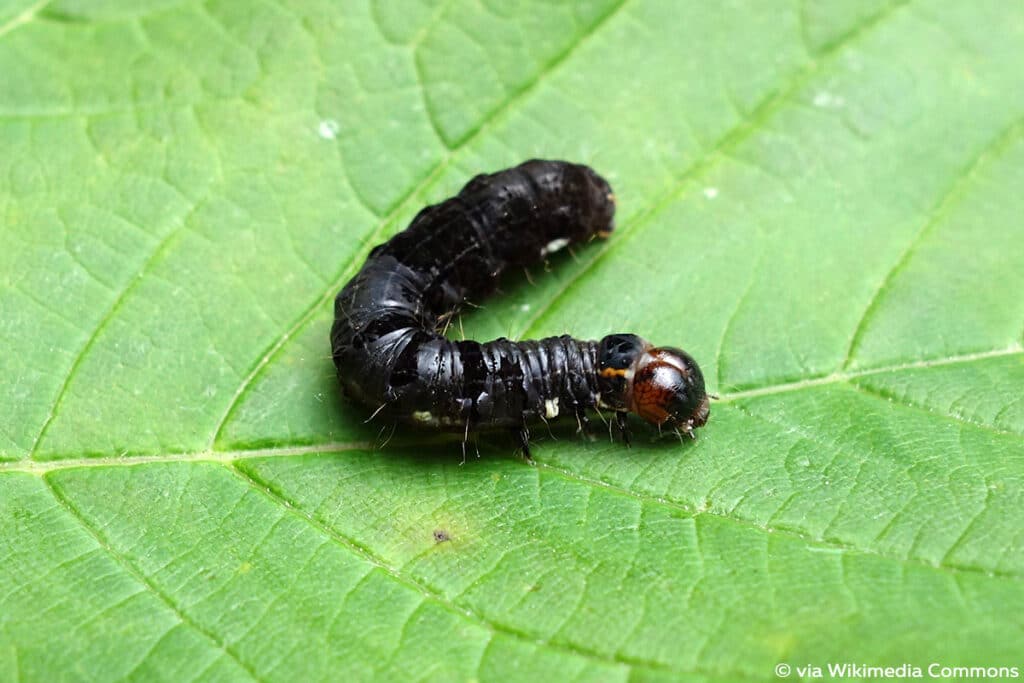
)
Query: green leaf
[{"x": 819, "y": 200}]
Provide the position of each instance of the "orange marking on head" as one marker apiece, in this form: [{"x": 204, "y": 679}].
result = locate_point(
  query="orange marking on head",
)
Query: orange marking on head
[{"x": 613, "y": 372}]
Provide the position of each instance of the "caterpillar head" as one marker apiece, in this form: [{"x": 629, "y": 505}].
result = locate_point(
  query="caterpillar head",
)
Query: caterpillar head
[{"x": 663, "y": 385}]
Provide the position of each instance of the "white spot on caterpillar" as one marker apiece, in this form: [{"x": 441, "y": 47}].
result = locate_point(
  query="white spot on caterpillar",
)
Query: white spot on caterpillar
[
  {"x": 554, "y": 245},
  {"x": 328, "y": 129},
  {"x": 423, "y": 416},
  {"x": 551, "y": 408},
  {"x": 710, "y": 192}
]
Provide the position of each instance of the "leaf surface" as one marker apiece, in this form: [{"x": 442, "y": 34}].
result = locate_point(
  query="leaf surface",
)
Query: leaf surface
[{"x": 819, "y": 200}]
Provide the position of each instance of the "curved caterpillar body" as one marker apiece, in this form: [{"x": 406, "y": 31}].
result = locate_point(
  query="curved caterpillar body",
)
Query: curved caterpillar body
[{"x": 391, "y": 356}]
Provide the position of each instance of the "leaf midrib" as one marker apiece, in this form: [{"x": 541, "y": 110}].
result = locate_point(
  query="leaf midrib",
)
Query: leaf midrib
[
  {"x": 293, "y": 507},
  {"x": 232, "y": 459},
  {"x": 231, "y": 455}
]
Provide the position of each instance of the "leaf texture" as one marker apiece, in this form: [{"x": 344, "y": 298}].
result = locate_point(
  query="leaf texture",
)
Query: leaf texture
[{"x": 819, "y": 200}]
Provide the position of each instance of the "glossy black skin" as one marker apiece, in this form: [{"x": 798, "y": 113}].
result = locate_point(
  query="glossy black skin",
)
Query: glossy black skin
[
  {"x": 617, "y": 352},
  {"x": 386, "y": 339}
]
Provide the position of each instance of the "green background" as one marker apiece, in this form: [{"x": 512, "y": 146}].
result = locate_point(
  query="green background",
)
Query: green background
[{"x": 820, "y": 200}]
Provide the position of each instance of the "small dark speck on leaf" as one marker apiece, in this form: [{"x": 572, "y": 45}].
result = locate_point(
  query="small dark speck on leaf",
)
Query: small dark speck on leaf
[{"x": 440, "y": 536}]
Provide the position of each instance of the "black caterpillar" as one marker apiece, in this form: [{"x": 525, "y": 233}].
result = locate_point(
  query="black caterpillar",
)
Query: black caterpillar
[{"x": 392, "y": 357}]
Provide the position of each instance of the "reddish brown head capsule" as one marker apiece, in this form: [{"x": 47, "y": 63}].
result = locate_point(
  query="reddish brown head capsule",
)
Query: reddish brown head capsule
[
  {"x": 668, "y": 388},
  {"x": 663, "y": 385}
]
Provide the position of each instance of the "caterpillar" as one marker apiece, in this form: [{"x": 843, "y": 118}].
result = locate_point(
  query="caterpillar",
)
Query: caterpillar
[{"x": 392, "y": 356}]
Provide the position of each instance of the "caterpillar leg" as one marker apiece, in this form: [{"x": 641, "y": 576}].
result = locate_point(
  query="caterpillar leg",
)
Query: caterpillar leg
[
  {"x": 382, "y": 442},
  {"x": 465, "y": 438},
  {"x": 466, "y": 413},
  {"x": 623, "y": 424},
  {"x": 375, "y": 413},
  {"x": 522, "y": 437},
  {"x": 582, "y": 422}
]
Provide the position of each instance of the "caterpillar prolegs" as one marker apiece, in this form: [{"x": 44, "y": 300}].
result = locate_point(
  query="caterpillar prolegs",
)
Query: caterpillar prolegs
[{"x": 392, "y": 357}]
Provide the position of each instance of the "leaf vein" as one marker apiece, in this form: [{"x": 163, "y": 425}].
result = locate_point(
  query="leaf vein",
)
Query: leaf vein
[
  {"x": 293, "y": 507},
  {"x": 346, "y": 272},
  {"x": 902, "y": 401},
  {"x": 720, "y": 149},
  {"x": 230, "y": 456},
  {"x": 24, "y": 17},
  {"x": 161, "y": 247},
  {"x": 69, "y": 508},
  {"x": 954, "y": 194},
  {"x": 793, "y": 533}
]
